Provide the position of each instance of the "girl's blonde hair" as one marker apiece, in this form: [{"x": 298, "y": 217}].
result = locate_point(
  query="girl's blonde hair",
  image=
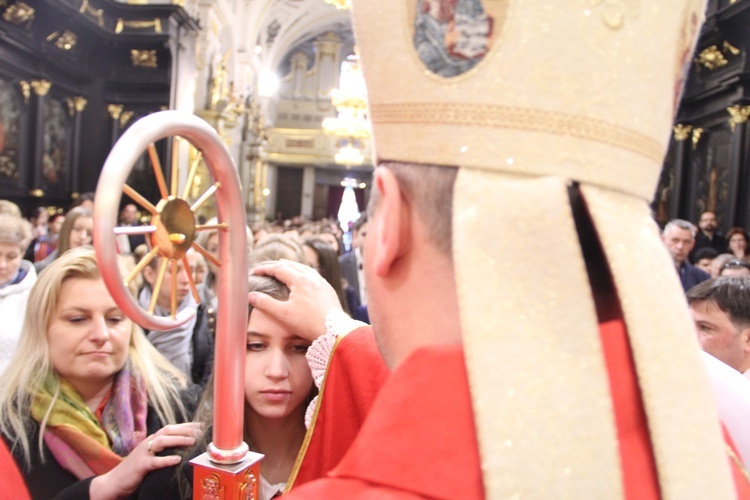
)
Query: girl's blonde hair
[{"x": 31, "y": 365}]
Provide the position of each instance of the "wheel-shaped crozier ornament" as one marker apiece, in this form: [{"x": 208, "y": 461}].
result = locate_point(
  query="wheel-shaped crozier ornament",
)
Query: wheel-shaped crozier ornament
[{"x": 171, "y": 233}]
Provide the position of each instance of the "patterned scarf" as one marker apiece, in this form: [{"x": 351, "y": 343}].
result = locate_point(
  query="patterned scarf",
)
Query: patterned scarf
[{"x": 82, "y": 444}]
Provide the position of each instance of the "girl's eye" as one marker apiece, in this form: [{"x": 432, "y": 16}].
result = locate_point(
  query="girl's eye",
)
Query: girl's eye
[
  {"x": 299, "y": 349},
  {"x": 76, "y": 319},
  {"x": 255, "y": 346},
  {"x": 115, "y": 320}
]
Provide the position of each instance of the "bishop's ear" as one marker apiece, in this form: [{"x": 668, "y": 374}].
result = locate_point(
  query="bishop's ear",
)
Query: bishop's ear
[{"x": 389, "y": 223}]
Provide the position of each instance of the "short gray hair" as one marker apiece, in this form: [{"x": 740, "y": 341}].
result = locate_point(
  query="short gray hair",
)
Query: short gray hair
[{"x": 681, "y": 224}]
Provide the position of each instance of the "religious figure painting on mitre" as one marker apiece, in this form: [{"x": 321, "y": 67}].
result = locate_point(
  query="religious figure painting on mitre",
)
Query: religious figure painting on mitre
[{"x": 453, "y": 36}]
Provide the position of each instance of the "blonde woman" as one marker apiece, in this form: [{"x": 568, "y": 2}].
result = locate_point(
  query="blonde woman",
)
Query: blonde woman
[{"x": 86, "y": 395}]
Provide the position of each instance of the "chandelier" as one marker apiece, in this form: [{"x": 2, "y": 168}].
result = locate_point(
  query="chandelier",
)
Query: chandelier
[
  {"x": 351, "y": 123},
  {"x": 349, "y": 155},
  {"x": 340, "y": 4}
]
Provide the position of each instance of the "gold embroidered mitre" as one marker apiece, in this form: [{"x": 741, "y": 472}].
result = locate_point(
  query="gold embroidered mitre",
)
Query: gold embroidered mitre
[{"x": 527, "y": 97}]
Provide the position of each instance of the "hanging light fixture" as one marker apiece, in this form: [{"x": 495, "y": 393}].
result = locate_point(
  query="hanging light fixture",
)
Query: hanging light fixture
[
  {"x": 340, "y": 4},
  {"x": 351, "y": 123}
]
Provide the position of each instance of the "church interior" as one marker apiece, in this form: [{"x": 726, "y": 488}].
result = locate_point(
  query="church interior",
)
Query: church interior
[{"x": 279, "y": 81}]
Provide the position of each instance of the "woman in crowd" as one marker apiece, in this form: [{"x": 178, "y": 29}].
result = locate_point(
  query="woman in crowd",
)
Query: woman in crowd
[
  {"x": 738, "y": 240},
  {"x": 76, "y": 231},
  {"x": 17, "y": 276},
  {"x": 278, "y": 388},
  {"x": 86, "y": 396}
]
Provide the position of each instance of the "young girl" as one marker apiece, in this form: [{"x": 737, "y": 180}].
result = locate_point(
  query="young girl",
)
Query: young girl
[{"x": 278, "y": 388}]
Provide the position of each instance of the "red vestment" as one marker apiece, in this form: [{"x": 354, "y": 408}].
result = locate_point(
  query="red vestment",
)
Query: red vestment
[
  {"x": 420, "y": 441},
  {"x": 355, "y": 373},
  {"x": 10, "y": 477}
]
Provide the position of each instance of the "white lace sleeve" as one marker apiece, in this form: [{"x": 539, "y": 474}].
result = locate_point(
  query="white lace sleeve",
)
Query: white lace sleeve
[{"x": 338, "y": 324}]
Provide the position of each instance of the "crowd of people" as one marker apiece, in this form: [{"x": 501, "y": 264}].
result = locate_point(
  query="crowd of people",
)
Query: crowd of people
[
  {"x": 90, "y": 398},
  {"x": 575, "y": 377}
]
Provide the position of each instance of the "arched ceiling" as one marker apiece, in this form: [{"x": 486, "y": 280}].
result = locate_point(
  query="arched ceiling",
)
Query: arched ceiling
[{"x": 276, "y": 28}]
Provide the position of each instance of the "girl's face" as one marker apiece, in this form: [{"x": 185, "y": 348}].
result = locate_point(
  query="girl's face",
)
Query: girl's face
[
  {"x": 737, "y": 244},
  {"x": 212, "y": 246},
  {"x": 82, "y": 231},
  {"x": 278, "y": 380}
]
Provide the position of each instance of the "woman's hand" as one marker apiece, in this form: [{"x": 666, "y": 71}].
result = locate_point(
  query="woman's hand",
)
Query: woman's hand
[
  {"x": 127, "y": 476},
  {"x": 311, "y": 298}
]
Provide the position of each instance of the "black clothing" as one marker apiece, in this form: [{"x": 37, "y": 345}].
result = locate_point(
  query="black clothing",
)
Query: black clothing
[{"x": 718, "y": 243}]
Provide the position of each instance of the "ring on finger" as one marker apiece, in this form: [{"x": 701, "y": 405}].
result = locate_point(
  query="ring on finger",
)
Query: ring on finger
[{"x": 148, "y": 446}]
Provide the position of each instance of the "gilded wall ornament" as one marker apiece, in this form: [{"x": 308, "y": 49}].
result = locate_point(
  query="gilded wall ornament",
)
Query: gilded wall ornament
[
  {"x": 125, "y": 118},
  {"x": 97, "y": 14},
  {"x": 76, "y": 103},
  {"x": 682, "y": 132},
  {"x": 25, "y": 90},
  {"x": 19, "y": 13},
  {"x": 143, "y": 58},
  {"x": 697, "y": 133},
  {"x": 41, "y": 87},
  {"x": 115, "y": 110},
  {"x": 122, "y": 25},
  {"x": 738, "y": 114},
  {"x": 65, "y": 41},
  {"x": 711, "y": 58}
]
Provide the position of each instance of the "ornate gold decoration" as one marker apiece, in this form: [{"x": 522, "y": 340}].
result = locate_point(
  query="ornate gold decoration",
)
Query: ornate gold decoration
[
  {"x": 340, "y": 4},
  {"x": 19, "y": 13},
  {"x": 179, "y": 3},
  {"x": 41, "y": 87},
  {"x": 36, "y": 193},
  {"x": 728, "y": 47},
  {"x": 247, "y": 489},
  {"x": 614, "y": 12},
  {"x": 76, "y": 103},
  {"x": 115, "y": 110},
  {"x": 711, "y": 58},
  {"x": 125, "y": 118},
  {"x": 97, "y": 14},
  {"x": 682, "y": 132},
  {"x": 80, "y": 103},
  {"x": 25, "y": 90},
  {"x": 143, "y": 58},
  {"x": 212, "y": 487},
  {"x": 138, "y": 25},
  {"x": 697, "y": 133},
  {"x": 8, "y": 168},
  {"x": 737, "y": 115},
  {"x": 67, "y": 41},
  {"x": 498, "y": 116}
]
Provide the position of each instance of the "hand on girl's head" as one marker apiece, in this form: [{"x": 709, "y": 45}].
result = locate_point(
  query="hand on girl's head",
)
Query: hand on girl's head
[{"x": 311, "y": 298}]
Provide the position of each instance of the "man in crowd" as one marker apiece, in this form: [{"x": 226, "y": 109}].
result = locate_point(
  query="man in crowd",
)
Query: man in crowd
[
  {"x": 679, "y": 238},
  {"x": 708, "y": 236},
  {"x": 126, "y": 244},
  {"x": 721, "y": 311}
]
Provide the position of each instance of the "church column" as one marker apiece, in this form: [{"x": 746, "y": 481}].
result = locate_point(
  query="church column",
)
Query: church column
[
  {"x": 308, "y": 191},
  {"x": 77, "y": 104},
  {"x": 739, "y": 201},
  {"x": 680, "y": 195},
  {"x": 115, "y": 110},
  {"x": 40, "y": 88}
]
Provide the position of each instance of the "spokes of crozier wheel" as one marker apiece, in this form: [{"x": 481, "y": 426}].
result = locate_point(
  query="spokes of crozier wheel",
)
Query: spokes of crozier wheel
[{"x": 173, "y": 228}]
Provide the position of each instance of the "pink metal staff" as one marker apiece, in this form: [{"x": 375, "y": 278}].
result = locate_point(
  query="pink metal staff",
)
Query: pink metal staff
[{"x": 171, "y": 233}]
